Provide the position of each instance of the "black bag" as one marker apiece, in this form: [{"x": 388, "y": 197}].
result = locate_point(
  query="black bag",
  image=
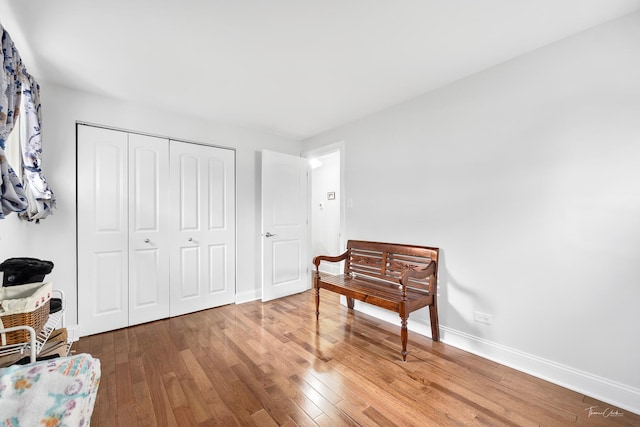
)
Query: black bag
[{"x": 19, "y": 271}]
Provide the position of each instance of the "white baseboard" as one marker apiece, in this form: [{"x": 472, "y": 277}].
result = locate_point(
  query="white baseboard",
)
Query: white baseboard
[
  {"x": 73, "y": 333},
  {"x": 617, "y": 394},
  {"x": 606, "y": 390},
  {"x": 331, "y": 268}
]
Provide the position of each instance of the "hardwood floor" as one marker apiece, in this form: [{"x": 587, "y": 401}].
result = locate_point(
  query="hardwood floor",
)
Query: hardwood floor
[{"x": 272, "y": 364}]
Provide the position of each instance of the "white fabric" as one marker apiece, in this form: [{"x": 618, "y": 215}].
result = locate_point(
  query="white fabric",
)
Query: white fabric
[
  {"x": 15, "y": 82},
  {"x": 39, "y": 194},
  {"x": 58, "y": 392},
  {"x": 24, "y": 298},
  {"x": 12, "y": 194}
]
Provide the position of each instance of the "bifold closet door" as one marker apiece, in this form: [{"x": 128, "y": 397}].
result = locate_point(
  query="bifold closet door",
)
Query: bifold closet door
[
  {"x": 123, "y": 253},
  {"x": 202, "y": 223},
  {"x": 103, "y": 230},
  {"x": 148, "y": 228}
]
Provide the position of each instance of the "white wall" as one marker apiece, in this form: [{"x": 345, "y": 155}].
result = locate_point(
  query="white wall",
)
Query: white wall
[
  {"x": 55, "y": 237},
  {"x": 527, "y": 177},
  {"x": 13, "y": 238}
]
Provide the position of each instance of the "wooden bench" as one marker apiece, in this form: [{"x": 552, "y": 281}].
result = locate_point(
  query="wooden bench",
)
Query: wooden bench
[{"x": 400, "y": 278}]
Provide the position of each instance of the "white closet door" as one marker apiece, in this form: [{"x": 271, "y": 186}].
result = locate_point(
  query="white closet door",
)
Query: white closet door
[
  {"x": 148, "y": 228},
  {"x": 202, "y": 212},
  {"x": 102, "y": 230}
]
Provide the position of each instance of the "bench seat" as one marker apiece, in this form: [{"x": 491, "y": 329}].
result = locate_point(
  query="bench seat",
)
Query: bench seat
[{"x": 379, "y": 293}]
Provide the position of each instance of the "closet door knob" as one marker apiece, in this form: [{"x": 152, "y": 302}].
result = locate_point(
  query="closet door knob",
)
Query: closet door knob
[
  {"x": 190, "y": 239},
  {"x": 147, "y": 240}
]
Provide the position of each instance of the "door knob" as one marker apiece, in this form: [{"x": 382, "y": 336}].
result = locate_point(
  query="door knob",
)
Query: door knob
[
  {"x": 147, "y": 240},
  {"x": 190, "y": 239},
  {"x": 267, "y": 234}
]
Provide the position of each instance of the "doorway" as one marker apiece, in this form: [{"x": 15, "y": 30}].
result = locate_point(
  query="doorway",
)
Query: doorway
[{"x": 327, "y": 203}]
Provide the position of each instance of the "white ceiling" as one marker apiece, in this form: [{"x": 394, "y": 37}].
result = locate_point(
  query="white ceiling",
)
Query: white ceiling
[{"x": 294, "y": 68}]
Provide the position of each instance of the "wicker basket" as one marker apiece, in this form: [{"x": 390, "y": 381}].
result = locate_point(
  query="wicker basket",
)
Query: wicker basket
[
  {"x": 36, "y": 319},
  {"x": 24, "y": 305}
]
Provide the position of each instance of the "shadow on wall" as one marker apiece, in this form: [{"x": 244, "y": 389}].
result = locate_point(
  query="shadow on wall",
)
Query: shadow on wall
[{"x": 449, "y": 315}]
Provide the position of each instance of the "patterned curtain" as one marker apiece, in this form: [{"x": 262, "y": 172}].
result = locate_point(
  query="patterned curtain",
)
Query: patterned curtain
[
  {"x": 12, "y": 194},
  {"x": 39, "y": 195},
  {"x": 33, "y": 199}
]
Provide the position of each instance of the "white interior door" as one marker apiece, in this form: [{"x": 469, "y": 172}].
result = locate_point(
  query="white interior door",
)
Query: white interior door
[
  {"x": 202, "y": 215},
  {"x": 148, "y": 228},
  {"x": 285, "y": 263},
  {"x": 103, "y": 260}
]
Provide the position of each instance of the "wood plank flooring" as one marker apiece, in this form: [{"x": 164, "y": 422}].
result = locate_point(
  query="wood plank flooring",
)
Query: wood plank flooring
[{"x": 272, "y": 364}]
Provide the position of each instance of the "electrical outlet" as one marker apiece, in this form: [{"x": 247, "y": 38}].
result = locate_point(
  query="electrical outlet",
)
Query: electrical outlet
[{"x": 482, "y": 317}]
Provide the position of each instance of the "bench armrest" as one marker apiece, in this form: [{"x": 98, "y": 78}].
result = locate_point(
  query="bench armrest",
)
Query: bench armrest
[
  {"x": 319, "y": 258},
  {"x": 418, "y": 274}
]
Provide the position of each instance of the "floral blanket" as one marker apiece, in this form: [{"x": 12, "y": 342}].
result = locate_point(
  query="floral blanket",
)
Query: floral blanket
[{"x": 53, "y": 393}]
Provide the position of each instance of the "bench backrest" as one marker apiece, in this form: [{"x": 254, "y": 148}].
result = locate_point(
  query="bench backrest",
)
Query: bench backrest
[{"x": 388, "y": 261}]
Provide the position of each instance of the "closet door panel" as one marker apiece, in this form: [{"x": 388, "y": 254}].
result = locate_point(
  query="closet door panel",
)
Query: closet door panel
[
  {"x": 148, "y": 228},
  {"x": 221, "y": 228},
  {"x": 217, "y": 194},
  {"x": 109, "y": 182},
  {"x": 186, "y": 231},
  {"x": 204, "y": 219},
  {"x": 189, "y": 171},
  {"x": 103, "y": 261},
  {"x": 190, "y": 274},
  {"x": 107, "y": 276},
  {"x": 220, "y": 233},
  {"x": 145, "y": 292},
  {"x": 218, "y": 277}
]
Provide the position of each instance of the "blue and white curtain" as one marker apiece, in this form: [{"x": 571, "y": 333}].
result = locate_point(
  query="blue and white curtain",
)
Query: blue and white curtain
[
  {"x": 12, "y": 195},
  {"x": 32, "y": 199}
]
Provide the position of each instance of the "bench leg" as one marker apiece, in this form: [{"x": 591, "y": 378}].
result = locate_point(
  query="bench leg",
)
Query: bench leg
[
  {"x": 350, "y": 302},
  {"x": 404, "y": 337},
  {"x": 316, "y": 292},
  {"x": 435, "y": 326}
]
